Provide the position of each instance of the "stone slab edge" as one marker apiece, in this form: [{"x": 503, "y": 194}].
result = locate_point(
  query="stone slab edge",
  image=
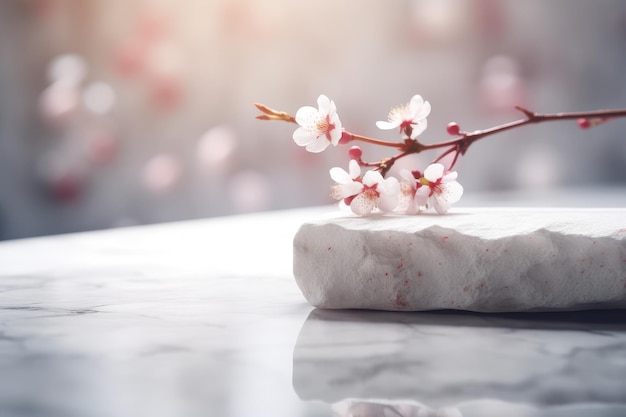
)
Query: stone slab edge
[{"x": 484, "y": 260}]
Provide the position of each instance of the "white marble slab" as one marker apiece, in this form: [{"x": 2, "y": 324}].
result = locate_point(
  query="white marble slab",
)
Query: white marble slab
[{"x": 488, "y": 260}]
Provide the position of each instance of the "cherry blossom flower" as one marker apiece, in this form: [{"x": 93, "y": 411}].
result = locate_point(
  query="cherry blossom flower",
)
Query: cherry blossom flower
[
  {"x": 410, "y": 118},
  {"x": 408, "y": 188},
  {"x": 348, "y": 183},
  {"x": 364, "y": 194},
  {"x": 439, "y": 188},
  {"x": 318, "y": 127}
]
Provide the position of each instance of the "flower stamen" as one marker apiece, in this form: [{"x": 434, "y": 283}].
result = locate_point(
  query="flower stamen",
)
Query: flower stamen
[
  {"x": 324, "y": 126},
  {"x": 370, "y": 192}
]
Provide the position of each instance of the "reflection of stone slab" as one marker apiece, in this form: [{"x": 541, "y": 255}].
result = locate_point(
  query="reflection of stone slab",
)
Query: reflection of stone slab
[
  {"x": 519, "y": 364},
  {"x": 488, "y": 260}
]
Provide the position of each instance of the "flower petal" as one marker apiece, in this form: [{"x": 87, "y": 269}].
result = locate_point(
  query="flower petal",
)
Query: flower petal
[
  {"x": 418, "y": 128},
  {"x": 318, "y": 144},
  {"x": 387, "y": 125},
  {"x": 339, "y": 175},
  {"x": 415, "y": 105},
  {"x": 335, "y": 136},
  {"x": 452, "y": 191},
  {"x": 421, "y": 195},
  {"x": 372, "y": 177},
  {"x": 334, "y": 119},
  {"x": 388, "y": 202},
  {"x": 449, "y": 177},
  {"x": 433, "y": 172},
  {"x": 413, "y": 207},
  {"x": 423, "y": 111},
  {"x": 389, "y": 186},
  {"x": 324, "y": 104},
  {"x": 303, "y": 136},
  {"x": 350, "y": 189},
  {"x": 306, "y": 116},
  {"x": 408, "y": 177},
  {"x": 333, "y": 108},
  {"x": 362, "y": 205},
  {"x": 441, "y": 204},
  {"x": 354, "y": 169},
  {"x": 406, "y": 197}
]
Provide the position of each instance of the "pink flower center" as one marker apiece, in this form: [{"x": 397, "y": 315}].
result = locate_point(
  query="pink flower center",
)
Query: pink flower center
[
  {"x": 324, "y": 126},
  {"x": 370, "y": 192},
  {"x": 435, "y": 187},
  {"x": 406, "y": 124}
]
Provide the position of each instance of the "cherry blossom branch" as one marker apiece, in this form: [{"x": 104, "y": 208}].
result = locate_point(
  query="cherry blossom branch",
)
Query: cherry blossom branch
[
  {"x": 586, "y": 119},
  {"x": 436, "y": 187},
  {"x": 461, "y": 144}
]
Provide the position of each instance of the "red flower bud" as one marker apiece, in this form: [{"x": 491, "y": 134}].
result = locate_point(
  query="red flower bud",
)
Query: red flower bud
[
  {"x": 584, "y": 123},
  {"x": 453, "y": 129},
  {"x": 355, "y": 153},
  {"x": 346, "y": 138}
]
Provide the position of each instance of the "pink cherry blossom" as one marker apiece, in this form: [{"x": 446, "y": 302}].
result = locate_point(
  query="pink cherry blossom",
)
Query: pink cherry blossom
[
  {"x": 410, "y": 118},
  {"x": 364, "y": 194},
  {"x": 318, "y": 127},
  {"x": 440, "y": 189}
]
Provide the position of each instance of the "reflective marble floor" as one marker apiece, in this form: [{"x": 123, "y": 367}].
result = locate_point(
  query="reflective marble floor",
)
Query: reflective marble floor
[{"x": 203, "y": 318}]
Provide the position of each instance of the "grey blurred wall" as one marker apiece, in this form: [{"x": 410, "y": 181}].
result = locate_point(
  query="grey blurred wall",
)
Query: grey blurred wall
[{"x": 158, "y": 123}]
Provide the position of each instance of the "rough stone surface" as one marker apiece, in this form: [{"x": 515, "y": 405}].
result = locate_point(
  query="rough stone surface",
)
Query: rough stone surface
[{"x": 486, "y": 260}]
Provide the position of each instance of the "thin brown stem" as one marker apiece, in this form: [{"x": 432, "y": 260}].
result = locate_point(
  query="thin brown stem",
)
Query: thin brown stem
[
  {"x": 377, "y": 141},
  {"x": 448, "y": 152}
]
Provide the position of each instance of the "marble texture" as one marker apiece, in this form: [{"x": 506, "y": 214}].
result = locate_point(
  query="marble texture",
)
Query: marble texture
[
  {"x": 193, "y": 318},
  {"x": 204, "y": 318},
  {"x": 462, "y": 364},
  {"x": 487, "y": 260}
]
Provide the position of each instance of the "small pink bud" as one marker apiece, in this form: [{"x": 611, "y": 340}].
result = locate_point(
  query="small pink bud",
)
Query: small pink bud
[
  {"x": 346, "y": 138},
  {"x": 355, "y": 153},
  {"x": 453, "y": 129},
  {"x": 584, "y": 123}
]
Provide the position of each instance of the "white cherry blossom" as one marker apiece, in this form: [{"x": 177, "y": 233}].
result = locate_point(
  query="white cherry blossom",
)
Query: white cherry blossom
[
  {"x": 408, "y": 188},
  {"x": 440, "y": 189},
  {"x": 348, "y": 183},
  {"x": 318, "y": 127},
  {"x": 410, "y": 118},
  {"x": 364, "y": 194}
]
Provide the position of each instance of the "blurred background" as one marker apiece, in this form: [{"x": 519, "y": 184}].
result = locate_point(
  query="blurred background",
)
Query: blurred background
[{"x": 116, "y": 113}]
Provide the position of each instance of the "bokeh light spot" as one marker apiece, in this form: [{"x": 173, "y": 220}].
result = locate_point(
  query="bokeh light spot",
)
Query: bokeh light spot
[
  {"x": 216, "y": 147},
  {"x": 68, "y": 68},
  {"x": 58, "y": 101},
  {"x": 539, "y": 168},
  {"x": 162, "y": 172},
  {"x": 99, "y": 98},
  {"x": 250, "y": 191}
]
